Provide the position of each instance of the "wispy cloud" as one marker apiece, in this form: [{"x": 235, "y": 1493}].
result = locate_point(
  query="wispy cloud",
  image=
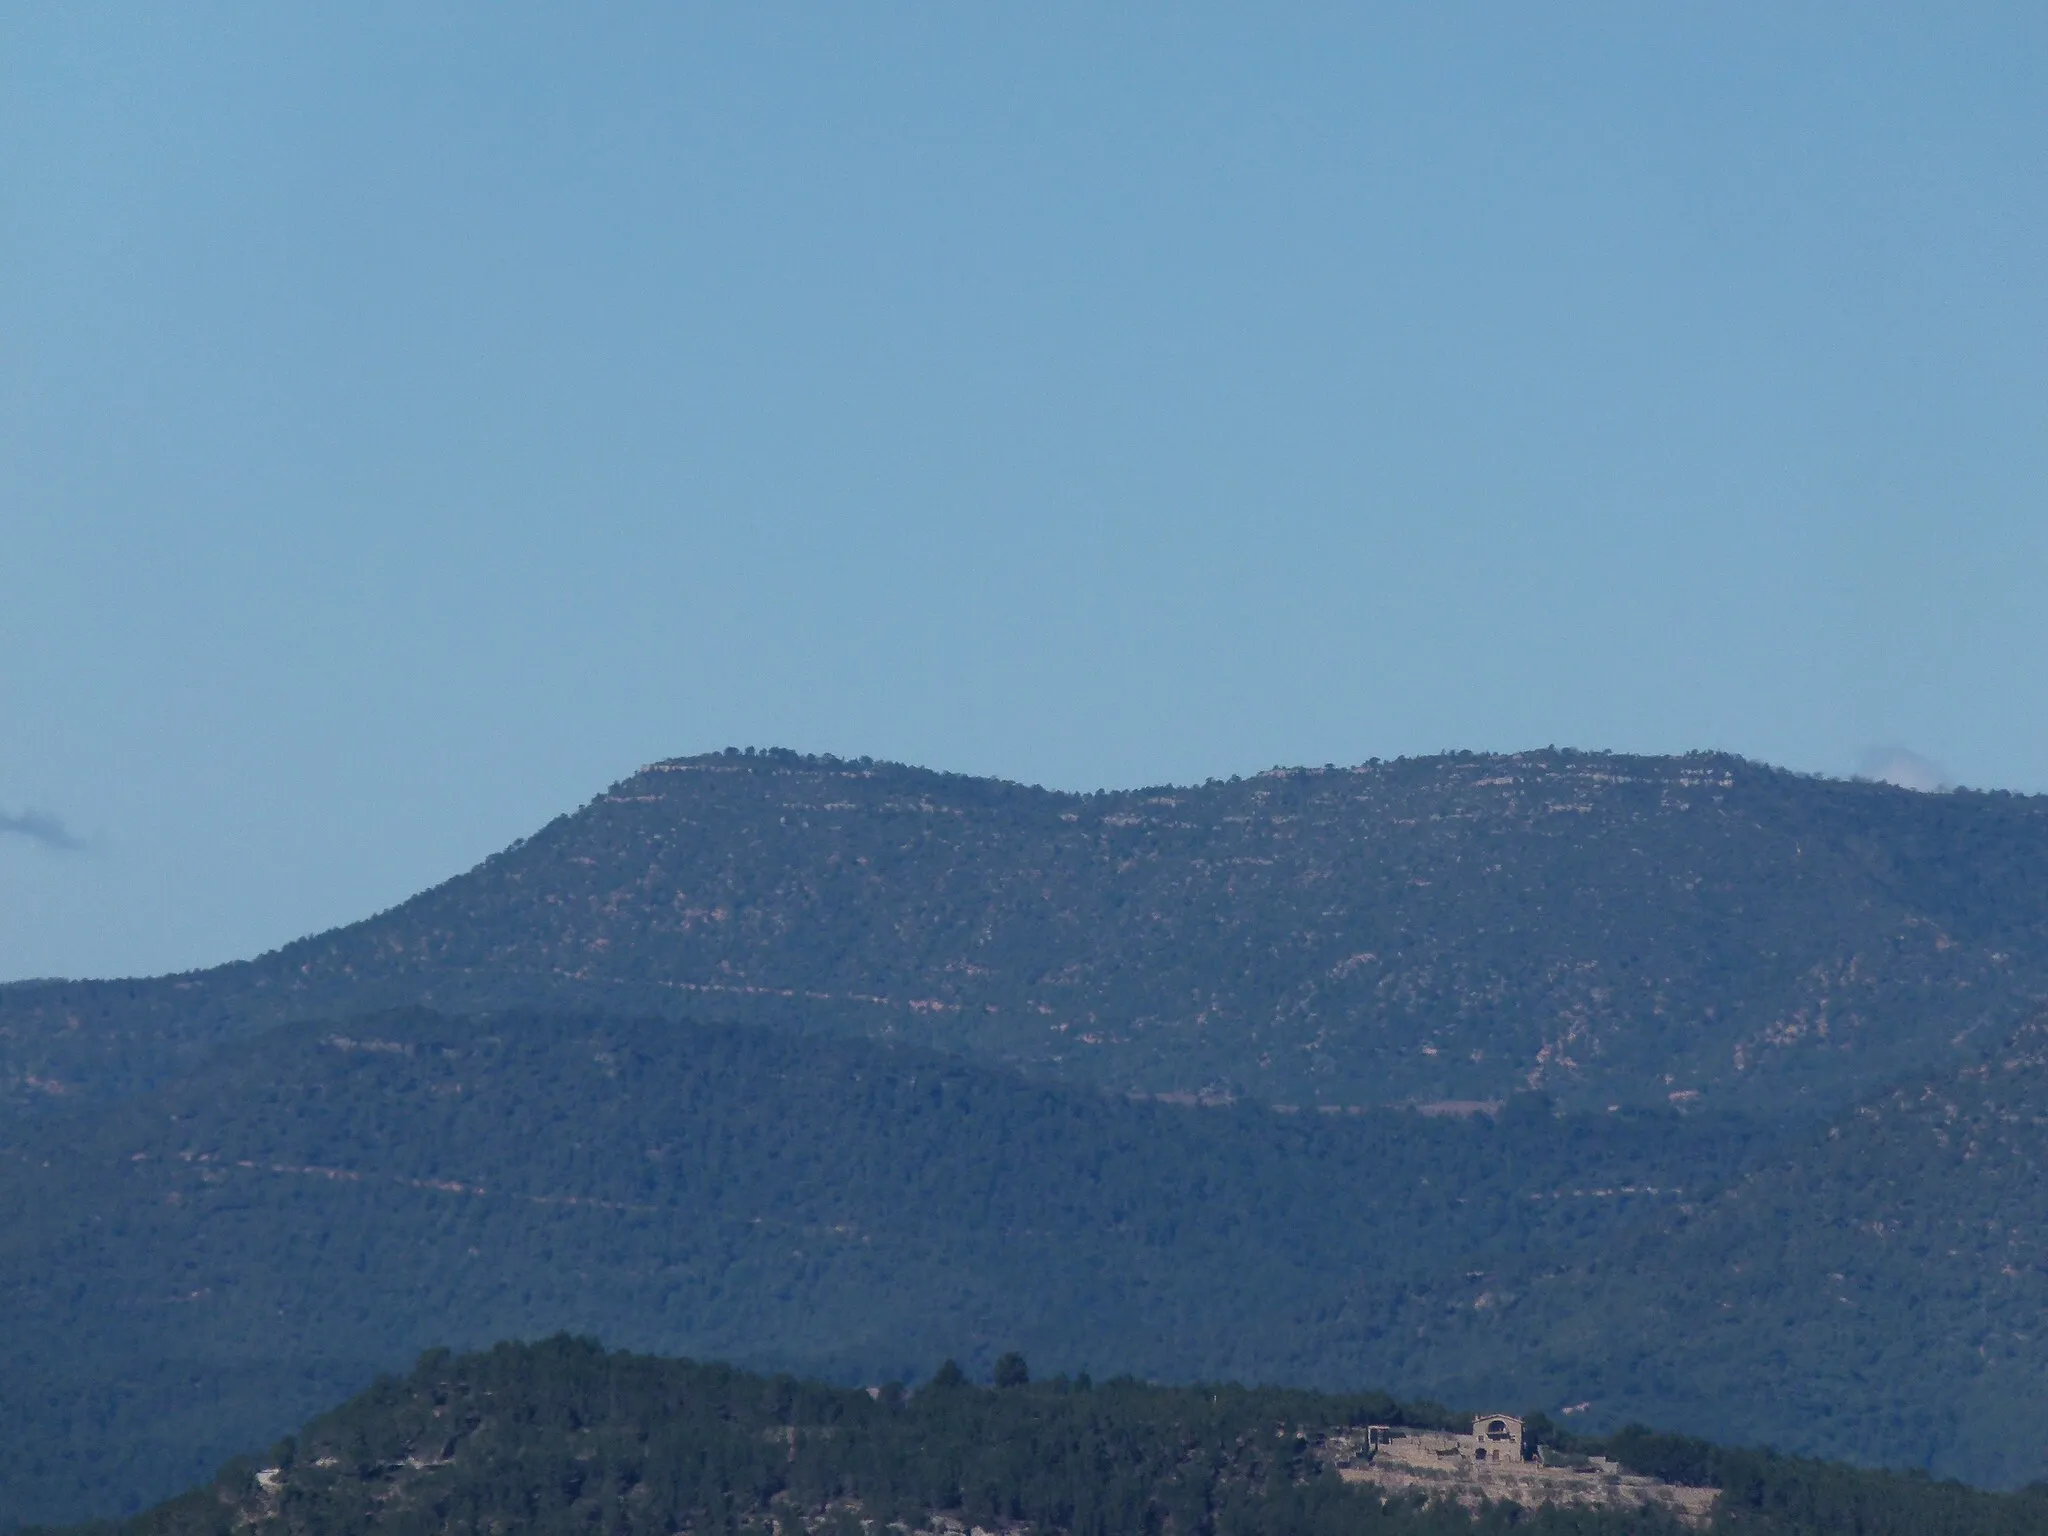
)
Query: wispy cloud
[
  {"x": 1901, "y": 767},
  {"x": 43, "y": 828}
]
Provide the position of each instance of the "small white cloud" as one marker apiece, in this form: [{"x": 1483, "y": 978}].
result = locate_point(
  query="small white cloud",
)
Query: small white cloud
[{"x": 1901, "y": 767}]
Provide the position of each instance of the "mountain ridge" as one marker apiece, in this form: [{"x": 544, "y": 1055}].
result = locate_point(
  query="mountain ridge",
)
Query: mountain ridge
[{"x": 1443, "y": 928}]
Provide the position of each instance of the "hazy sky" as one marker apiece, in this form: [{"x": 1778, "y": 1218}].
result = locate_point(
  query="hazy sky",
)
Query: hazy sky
[{"x": 414, "y": 418}]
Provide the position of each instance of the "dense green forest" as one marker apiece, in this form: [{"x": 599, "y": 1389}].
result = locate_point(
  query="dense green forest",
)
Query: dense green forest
[
  {"x": 564, "y": 1437},
  {"x": 1606, "y": 928}
]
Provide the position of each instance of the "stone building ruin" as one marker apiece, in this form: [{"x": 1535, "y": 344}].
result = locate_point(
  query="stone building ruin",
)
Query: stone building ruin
[
  {"x": 1494, "y": 1437},
  {"x": 1498, "y": 1461}
]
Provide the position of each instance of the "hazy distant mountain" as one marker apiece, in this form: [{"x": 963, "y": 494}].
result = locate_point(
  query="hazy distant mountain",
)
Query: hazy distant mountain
[{"x": 1608, "y": 929}]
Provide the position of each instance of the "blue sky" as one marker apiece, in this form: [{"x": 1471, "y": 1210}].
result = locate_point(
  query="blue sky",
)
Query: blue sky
[{"x": 413, "y": 418}]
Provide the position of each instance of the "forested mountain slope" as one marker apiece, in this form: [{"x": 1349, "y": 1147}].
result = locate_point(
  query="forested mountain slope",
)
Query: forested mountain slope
[
  {"x": 195, "y": 1269},
  {"x": 1885, "y": 1286},
  {"x": 1609, "y": 929},
  {"x": 561, "y": 1437}
]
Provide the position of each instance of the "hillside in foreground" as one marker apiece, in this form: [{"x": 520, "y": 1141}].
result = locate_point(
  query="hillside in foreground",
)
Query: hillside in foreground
[{"x": 563, "y": 1437}]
